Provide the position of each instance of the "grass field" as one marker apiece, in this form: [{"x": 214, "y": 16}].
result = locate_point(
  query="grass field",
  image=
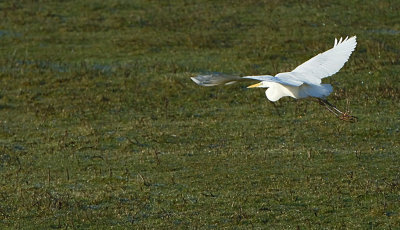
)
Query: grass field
[{"x": 101, "y": 126}]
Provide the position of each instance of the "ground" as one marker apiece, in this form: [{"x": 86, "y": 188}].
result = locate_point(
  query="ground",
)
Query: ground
[{"x": 101, "y": 126}]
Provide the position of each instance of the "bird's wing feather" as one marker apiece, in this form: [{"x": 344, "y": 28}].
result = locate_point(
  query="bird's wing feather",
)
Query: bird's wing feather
[
  {"x": 223, "y": 79},
  {"x": 220, "y": 79},
  {"x": 285, "y": 81},
  {"x": 215, "y": 79},
  {"x": 327, "y": 63}
]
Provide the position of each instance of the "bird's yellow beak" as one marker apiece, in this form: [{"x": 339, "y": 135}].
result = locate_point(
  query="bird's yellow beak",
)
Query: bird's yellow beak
[{"x": 255, "y": 85}]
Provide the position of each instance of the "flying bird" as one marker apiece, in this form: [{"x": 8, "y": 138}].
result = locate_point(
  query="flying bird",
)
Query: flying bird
[{"x": 302, "y": 82}]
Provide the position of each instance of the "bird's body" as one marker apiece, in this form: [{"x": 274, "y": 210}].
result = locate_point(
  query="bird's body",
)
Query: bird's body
[
  {"x": 302, "y": 82},
  {"x": 276, "y": 91}
]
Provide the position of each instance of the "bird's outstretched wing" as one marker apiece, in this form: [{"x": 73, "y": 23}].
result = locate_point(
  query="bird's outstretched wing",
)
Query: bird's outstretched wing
[
  {"x": 310, "y": 72},
  {"x": 285, "y": 80},
  {"x": 327, "y": 63},
  {"x": 219, "y": 79}
]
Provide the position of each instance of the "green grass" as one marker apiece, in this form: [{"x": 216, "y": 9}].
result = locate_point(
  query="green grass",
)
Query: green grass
[{"x": 101, "y": 126}]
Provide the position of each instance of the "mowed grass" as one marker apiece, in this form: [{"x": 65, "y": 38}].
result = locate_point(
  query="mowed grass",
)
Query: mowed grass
[{"x": 101, "y": 126}]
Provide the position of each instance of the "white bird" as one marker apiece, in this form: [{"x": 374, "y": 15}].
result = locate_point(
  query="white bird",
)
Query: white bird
[{"x": 304, "y": 81}]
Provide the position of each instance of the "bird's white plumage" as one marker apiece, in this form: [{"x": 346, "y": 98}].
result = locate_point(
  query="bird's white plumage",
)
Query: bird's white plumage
[
  {"x": 285, "y": 81},
  {"x": 303, "y": 81},
  {"x": 327, "y": 63}
]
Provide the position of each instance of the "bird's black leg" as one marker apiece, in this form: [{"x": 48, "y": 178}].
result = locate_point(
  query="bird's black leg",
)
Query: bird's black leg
[
  {"x": 345, "y": 116},
  {"x": 331, "y": 108}
]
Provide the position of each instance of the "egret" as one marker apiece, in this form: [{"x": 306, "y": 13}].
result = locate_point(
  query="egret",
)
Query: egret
[{"x": 302, "y": 82}]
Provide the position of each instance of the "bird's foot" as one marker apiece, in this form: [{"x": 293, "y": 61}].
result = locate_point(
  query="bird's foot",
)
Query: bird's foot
[
  {"x": 344, "y": 116},
  {"x": 347, "y": 117}
]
